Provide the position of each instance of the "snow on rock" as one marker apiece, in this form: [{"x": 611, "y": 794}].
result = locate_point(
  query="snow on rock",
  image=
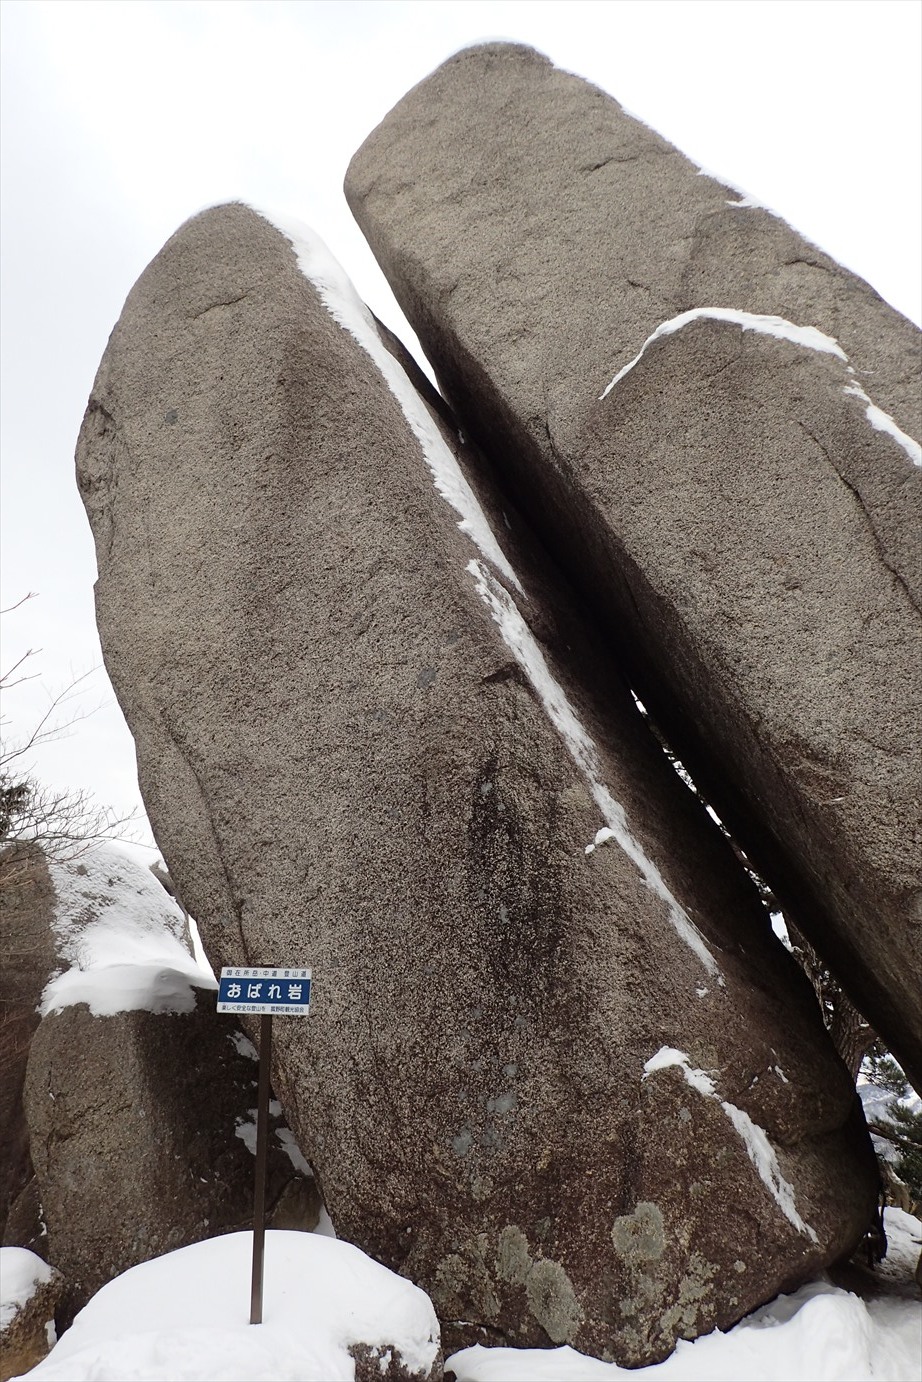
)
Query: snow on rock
[
  {"x": 807, "y": 336},
  {"x": 21, "y": 1273},
  {"x": 883, "y": 422},
  {"x": 123, "y": 937},
  {"x": 519, "y": 639},
  {"x": 758, "y": 1148},
  {"x": 30, "y": 1293},
  {"x": 185, "y": 1316},
  {"x": 344, "y": 304},
  {"x": 243, "y": 1046},
  {"x": 287, "y": 1138}
]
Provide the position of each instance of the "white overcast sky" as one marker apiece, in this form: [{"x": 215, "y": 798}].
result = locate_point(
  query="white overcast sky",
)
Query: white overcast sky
[{"x": 122, "y": 118}]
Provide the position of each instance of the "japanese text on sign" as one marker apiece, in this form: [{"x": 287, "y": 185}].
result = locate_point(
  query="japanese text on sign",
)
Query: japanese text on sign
[{"x": 285, "y": 992}]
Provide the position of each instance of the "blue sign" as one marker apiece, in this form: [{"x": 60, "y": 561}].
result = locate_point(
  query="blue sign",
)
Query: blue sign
[{"x": 276, "y": 992}]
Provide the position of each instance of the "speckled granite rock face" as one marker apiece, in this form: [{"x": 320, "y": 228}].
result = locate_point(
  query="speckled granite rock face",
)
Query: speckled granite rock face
[
  {"x": 362, "y": 747},
  {"x": 536, "y": 237}
]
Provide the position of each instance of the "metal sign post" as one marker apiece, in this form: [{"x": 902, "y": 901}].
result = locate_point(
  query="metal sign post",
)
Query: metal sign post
[
  {"x": 269, "y": 992},
  {"x": 262, "y": 1146}
]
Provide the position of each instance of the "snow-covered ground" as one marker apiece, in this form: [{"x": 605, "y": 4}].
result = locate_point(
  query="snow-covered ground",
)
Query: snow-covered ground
[
  {"x": 186, "y": 1315},
  {"x": 183, "y": 1317}
]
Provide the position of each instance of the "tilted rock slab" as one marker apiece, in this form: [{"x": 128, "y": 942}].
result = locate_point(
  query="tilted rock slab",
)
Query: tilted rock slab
[
  {"x": 557, "y": 1069},
  {"x": 742, "y": 507}
]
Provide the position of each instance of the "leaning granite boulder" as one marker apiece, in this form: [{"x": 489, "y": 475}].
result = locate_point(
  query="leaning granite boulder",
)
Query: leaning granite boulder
[
  {"x": 749, "y": 540},
  {"x": 551, "y": 1028},
  {"x": 772, "y": 527}
]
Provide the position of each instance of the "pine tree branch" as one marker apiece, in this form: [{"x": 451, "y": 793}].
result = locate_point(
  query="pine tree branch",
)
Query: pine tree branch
[{"x": 906, "y": 1143}]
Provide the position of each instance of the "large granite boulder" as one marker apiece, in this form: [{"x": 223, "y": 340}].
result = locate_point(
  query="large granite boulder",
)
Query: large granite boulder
[
  {"x": 143, "y": 1139},
  {"x": 557, "y": 1070},
  {"x": 748, "y": 539}
]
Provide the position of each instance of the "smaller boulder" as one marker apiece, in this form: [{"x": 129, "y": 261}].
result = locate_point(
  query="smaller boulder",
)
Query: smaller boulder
[
  {"x": 144, "y": 1143},
  {"x": 27, "y": 957},
  {"x": 140, "y": 1098},
  {"x": 30, "y": 1292}
]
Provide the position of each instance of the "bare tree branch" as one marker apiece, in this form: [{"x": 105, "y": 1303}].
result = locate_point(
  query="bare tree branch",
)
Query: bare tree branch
[
  {"x": 29, "y": 596},
  {"x": 63, "y": 823}
]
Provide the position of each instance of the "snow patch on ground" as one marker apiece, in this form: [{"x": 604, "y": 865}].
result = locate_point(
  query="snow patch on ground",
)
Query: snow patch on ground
[
  {"x": 123, "y": 937},
  {"x": 21, "y": 1274},
  {"x": 345, "y": 306},
  {"x": 185, "y": 1316},
  {"x": 758, "y": 1148}
]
